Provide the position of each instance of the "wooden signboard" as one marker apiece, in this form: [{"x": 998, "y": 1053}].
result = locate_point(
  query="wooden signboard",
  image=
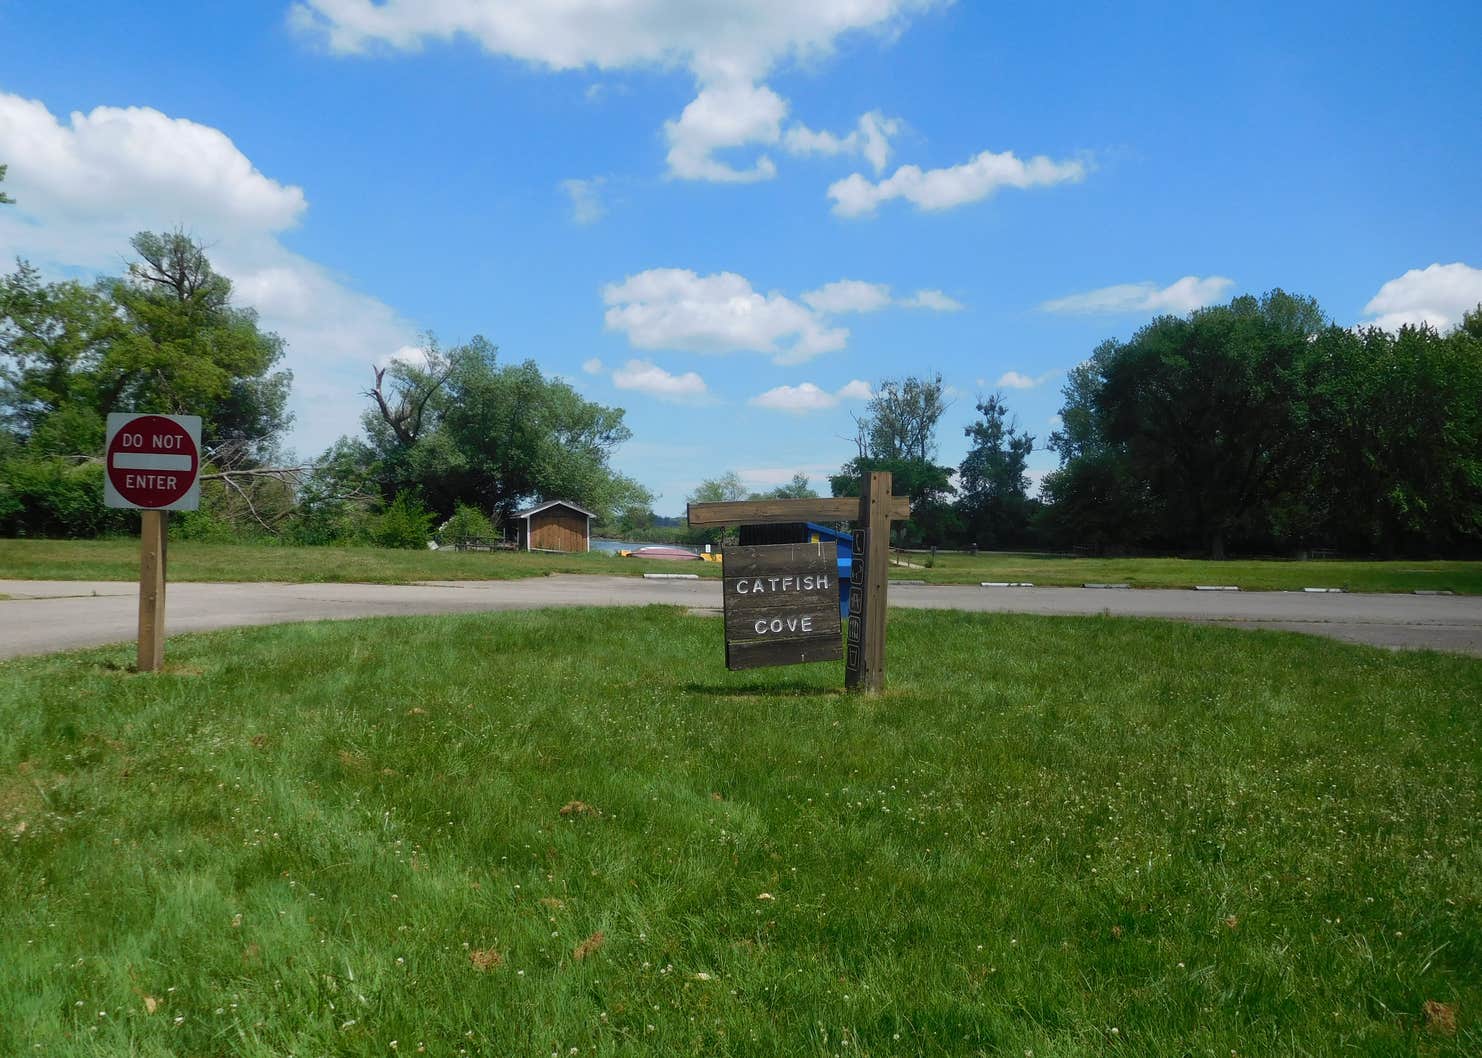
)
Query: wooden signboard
[
  {"x": 781, "y": 605},
  {"x": 769, "y": 644}
]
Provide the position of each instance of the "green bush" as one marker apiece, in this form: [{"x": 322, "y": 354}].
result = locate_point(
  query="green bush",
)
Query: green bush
[
  {"x": 406, "y": 523},
  {"x": 467, "y": 522},
  {"x": 49, "y": 496}
]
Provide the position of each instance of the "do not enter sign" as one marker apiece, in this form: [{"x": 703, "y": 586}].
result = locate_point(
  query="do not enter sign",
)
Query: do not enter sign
[{"x": 153, "y": 462}]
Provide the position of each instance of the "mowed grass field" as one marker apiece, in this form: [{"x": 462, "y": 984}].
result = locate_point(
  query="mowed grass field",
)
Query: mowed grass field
[
  {"x": 190, "y": 560},
  {"x": 1464, "y": 578},
  {"x": 574, "y": 833},
  {"x": 118, "y": 559}
]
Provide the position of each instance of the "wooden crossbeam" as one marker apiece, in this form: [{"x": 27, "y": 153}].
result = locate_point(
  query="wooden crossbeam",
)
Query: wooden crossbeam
[{"x": 777, "y": 512}]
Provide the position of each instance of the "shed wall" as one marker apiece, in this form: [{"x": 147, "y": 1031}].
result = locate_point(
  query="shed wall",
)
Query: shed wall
[{"x": 558, "y": 529}]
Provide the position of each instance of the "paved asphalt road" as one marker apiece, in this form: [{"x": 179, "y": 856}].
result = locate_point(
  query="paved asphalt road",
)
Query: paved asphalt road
[{"x": 43, "y": 616}]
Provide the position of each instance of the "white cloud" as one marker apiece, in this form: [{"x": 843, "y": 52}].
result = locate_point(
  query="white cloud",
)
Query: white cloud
[
  {"x": 1437, "y": 294},
  {"x": 938, "y": 189},
  {"x": 721, "y": 117},
  {"x": 674, "y": 308},
  {"x": 1015, "y": 380},
  {"x": 592, "y": 366},
  {"x": 414, "y": 355},
  {"x": 1183, "y": 295},
  {"x": 759, "y": 479},
  {"x": 117, "y": 164},
  {"x": 85, "y": 185},
  {"x": 647, "y": 377},
  {"x": 934, "y": 300},
  {"x": 855, "y": 295},
  {"x": 677, "y": 309},
  {"x": 1056, "y": 421},
  {"x": 808, "y": 397},
  {"x": 728, "y": 47},
  {"x": 849, "y": 295},
  {"x": 586, "y": 199},
  {"x": 870, "y": 138}
]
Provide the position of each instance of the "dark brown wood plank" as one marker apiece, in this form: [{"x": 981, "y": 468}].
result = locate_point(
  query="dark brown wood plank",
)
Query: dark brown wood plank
[
  {"x": 752, "y": 604},
  {"x": 875, "y": 511},
  {"x": 788, "y": 623},
  {"x": 794, "y": 652},
  {"x": 773, "y": 559},
  {"x": 854, "y": 638},
  {"x": 773, "y": 512}
]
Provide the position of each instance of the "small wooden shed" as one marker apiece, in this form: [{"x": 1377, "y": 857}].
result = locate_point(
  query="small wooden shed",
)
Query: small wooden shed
[{"x": 556, "y": 525}]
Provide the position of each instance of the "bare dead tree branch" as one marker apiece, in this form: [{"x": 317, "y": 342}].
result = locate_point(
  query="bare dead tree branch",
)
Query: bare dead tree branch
[
  {"x": 405, "y": 419},
  {"x": 281, "y": 473},
  {"x": 227, "y": 480}
]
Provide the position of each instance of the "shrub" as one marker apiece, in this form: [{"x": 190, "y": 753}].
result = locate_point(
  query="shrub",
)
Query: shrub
[
  {"x": 56, "y": 497},
  {"x": 406, "y": 523},
  {"x": 467, "y": 522}
]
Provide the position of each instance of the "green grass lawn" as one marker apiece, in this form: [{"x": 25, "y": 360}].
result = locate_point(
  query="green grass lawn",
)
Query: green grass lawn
[
  {"x": 193, "y": 560},
  {"x": 1251, "y": 575},
  {"x": 575, "y": 833},
  {"x": 189, "y": 560}
]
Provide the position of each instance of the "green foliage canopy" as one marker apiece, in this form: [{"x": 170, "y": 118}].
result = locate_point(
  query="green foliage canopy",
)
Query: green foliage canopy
[
  {"x": 462, "y": 427},
  {"x": 163, "y": 338},
  {"x": 1262, "y": 422},
  {"x": 992, "y": 481}
]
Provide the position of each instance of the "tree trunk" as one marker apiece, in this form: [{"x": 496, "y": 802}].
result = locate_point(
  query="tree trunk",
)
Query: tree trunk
[{"x": 1217, "y": 546}]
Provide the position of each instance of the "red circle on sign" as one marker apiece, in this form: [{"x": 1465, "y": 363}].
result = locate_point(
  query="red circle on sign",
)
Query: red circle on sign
[{"x": 152, "y": 461}]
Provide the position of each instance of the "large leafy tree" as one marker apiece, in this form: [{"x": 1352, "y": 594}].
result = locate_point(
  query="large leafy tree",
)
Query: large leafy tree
[
  {"x": 163, "y": 338},
  {"x": 897, "y": 433},
  {"x": 798, "y": 488},
  {"x": 993, "y": 481},
  {"x": 1094, "y": 501},
  {"x": 462, "y": 427},
  {"x": 186, "y": 349},
  {"x": 725, "y": 488},
  {"x": 1210, "y": 412},
  {"x": 5, "y": 200},
  {"x": 1260, "y": 420},
  {"x": 1398, "y": 416},
  {"x": 54, "y": 340}
]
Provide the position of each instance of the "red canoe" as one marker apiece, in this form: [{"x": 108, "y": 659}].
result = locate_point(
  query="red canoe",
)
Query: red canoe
[{"x": 676, "y": 554}]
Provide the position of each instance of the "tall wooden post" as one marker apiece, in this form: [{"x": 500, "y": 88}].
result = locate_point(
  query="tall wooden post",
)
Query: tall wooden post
[
  {"x": 152, "y": 535},
  {"x": 869, "y": 581}
]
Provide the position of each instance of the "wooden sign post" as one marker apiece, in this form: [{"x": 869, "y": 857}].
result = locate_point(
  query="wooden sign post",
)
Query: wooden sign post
[
  {"x": 869, "y": 580},
  {"x": 152, "y": 536},
  {"x": 152, "y": 464},
  {"x": 874, "y": 510}
]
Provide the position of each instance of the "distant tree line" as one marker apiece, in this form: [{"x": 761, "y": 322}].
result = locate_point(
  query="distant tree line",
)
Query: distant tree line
[
  {"x": 455, "y": 433},
  {"x": 1258, "y": 426}
]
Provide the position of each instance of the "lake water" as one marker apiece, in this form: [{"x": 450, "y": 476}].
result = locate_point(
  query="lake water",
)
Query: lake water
[{"x": 633, "y": 545}]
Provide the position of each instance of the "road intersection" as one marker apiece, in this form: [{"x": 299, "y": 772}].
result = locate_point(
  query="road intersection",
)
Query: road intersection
[{"x": 45, "y": 616}]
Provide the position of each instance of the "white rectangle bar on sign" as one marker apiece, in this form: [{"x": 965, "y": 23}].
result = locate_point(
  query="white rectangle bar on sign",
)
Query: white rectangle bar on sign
[{"x": 147, "y": 461}]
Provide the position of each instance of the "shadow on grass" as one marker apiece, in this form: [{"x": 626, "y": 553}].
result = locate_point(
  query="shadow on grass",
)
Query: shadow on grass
[
  {"x": 794, "y": 689},
  {"x": 120, "y": 668}
]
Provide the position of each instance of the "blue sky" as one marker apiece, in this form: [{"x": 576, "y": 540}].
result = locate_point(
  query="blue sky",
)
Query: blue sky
[{"x": 682, "y": 206}]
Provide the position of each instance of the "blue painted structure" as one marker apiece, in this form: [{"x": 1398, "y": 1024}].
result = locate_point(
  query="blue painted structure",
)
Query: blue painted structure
[{"x": 823, "y": 534}]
